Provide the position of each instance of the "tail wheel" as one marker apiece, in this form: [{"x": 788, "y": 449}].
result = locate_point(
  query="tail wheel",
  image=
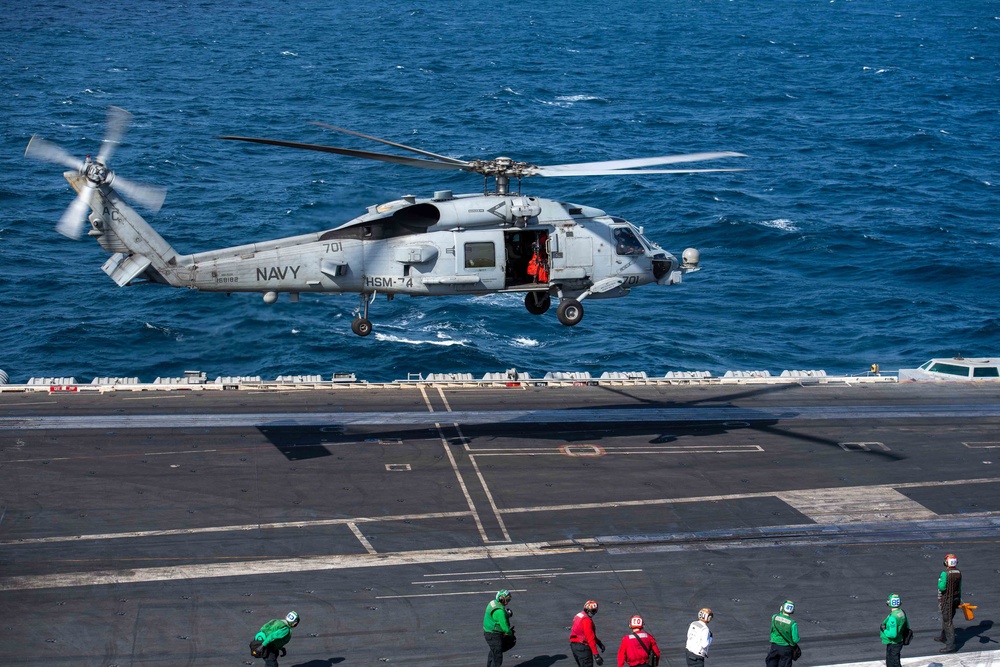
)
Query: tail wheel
[
  {"x": 361, "y": 326},
  {"x": 570, "y": 311},
  {"x": 537, "y": 303}
]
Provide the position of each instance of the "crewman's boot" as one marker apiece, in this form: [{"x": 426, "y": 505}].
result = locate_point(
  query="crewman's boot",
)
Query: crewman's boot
[{"x": 948, "y": 649}]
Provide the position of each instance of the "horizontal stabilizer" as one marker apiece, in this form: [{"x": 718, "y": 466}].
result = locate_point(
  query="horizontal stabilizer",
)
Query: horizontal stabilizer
[{"x": 123, "y": 269}]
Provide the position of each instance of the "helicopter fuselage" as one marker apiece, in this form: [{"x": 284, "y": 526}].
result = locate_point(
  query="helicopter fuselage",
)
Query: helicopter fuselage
[{"x": 469, "y": 244}]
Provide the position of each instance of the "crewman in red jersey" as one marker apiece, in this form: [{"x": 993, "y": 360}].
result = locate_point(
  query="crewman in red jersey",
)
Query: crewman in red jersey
[
  {"x": 638, "y": 646},
  {"x": 583, "y": 641}
]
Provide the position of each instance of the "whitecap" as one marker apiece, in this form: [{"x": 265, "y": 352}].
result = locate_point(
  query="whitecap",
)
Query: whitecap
[
  {"x": 552, "y": 104},
  {"x": 295, "y": 331},
  {"x": 289, "y": 53},
  {"x": 580, "y": 98},
  {"x": 409, "y": 341},
  {"x": 496, "y": 299},
  {"x": 783, "y": 224},
  {"x": 521, "y": 341}
]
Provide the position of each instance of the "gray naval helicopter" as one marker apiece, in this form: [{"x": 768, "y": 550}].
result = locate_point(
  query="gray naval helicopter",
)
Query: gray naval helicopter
[{"x": 445, "y": 245}]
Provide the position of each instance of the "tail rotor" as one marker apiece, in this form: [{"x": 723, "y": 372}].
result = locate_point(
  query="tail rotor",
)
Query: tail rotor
[{"x": 96, "y": 174}]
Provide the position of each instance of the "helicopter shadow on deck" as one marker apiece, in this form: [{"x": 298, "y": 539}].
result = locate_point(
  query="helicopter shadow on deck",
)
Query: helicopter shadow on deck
[{"x": 299, "y": 442}]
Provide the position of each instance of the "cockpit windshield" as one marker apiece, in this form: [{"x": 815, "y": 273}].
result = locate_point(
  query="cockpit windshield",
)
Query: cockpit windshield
[{"x": 627, "y": 243}]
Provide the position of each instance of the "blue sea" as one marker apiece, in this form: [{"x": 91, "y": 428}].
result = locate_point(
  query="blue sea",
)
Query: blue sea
[{"x": 865, "y": 229}]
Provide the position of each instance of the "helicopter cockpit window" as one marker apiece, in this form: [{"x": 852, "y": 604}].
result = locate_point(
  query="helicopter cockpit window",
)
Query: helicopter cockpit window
[
  {"x": 480, "y": 255},
  {"x": 627, "y": 243}
]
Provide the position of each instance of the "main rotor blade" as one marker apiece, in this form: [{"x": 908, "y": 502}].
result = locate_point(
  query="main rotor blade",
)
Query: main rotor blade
[
  {"x": 619, "y": 172},
  {"x": 150, "y": 196},
  {"x": 117, "y": 123},
  {"x": 635, "y": 163},
  {"x": 443, "y": 158},
  {"x": 46, "y": 151},
  {"x": 71, "y": 222},
  {"x": 368, "y": 155}
]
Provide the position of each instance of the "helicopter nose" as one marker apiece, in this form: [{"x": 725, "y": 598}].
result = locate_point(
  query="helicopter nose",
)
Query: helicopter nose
[{"x": 662, "y": 268}]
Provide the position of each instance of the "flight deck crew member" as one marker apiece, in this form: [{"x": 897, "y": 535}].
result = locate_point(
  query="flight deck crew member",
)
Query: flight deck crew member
[
  {"x": 638, "y": 647},
  {"x": 949, "y": 597},
  {"x": 583, "y": 641},
  {"x": 699, "y": 639},
  {"x": 784, "y": 636},
  {"x": 496, "y": 628},
  {"x": 893, "y": 630},
  {"x": 274, "y": 635}
]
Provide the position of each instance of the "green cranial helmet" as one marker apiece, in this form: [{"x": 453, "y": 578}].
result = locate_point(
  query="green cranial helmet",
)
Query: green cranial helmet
[
  {"x": 292, "y": 618},
  {"x": 503, "y": 596},
  {"x": 893, "y": 600},
  {"x": 788, "y": 607}
]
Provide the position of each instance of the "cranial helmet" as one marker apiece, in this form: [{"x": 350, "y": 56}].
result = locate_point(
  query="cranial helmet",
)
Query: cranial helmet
[
  {"x": 951, "y": 560},
  {"x": 292, "y": 618},
  {"x": 705, "y": 614},
  {"x": 503, "y": 596},
  {"x": 893, "y": 600},
  {"x": 635, "y": 622},
  {"x": 590, "y": 606},
  {"x": 788, "y": 607}
]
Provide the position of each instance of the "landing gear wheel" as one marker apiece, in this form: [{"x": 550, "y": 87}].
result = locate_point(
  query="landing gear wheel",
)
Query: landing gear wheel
[
  {"x": 361, "y": 326},
  {"x": 537, "y": 304},
  {"x": 570, "y": 311}
]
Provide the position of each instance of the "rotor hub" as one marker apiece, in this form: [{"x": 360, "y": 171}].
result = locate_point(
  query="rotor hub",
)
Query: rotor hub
[
  {"x": 502, "y": 166},
  {"x": 96, "y": 172}
]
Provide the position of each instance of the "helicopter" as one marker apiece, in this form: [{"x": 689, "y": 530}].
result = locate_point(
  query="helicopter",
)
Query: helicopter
[{"x": 448, "y": 244}]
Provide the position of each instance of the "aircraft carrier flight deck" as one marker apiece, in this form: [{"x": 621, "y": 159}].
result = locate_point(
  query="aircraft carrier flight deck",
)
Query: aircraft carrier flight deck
[{"x": 164, "y": 528}]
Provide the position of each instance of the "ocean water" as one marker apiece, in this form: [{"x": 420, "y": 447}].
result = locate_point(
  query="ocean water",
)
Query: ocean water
[{"x": 864, "y": 231}]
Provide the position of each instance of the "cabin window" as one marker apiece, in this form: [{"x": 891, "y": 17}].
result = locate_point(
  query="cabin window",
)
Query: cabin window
[
  {"x": 950, "y": 369},
  {"x": 986, "y": 372},
  {"x": 480, "y": 255},
  {"x": 626, "y": 242}
]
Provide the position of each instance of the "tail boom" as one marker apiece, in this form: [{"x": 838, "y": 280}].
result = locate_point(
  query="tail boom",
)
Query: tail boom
[{"x": 137, "y": 250}]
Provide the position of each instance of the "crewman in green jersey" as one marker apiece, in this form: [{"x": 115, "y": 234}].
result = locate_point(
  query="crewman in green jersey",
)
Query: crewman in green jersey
[
  {"x": 497, "y": 629},
  {"x": 949, "y": 597},
  {"x": 274, "y": 635},
  {"x": 784, "y": 636},
  {"x": 894, "y": 629}
]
